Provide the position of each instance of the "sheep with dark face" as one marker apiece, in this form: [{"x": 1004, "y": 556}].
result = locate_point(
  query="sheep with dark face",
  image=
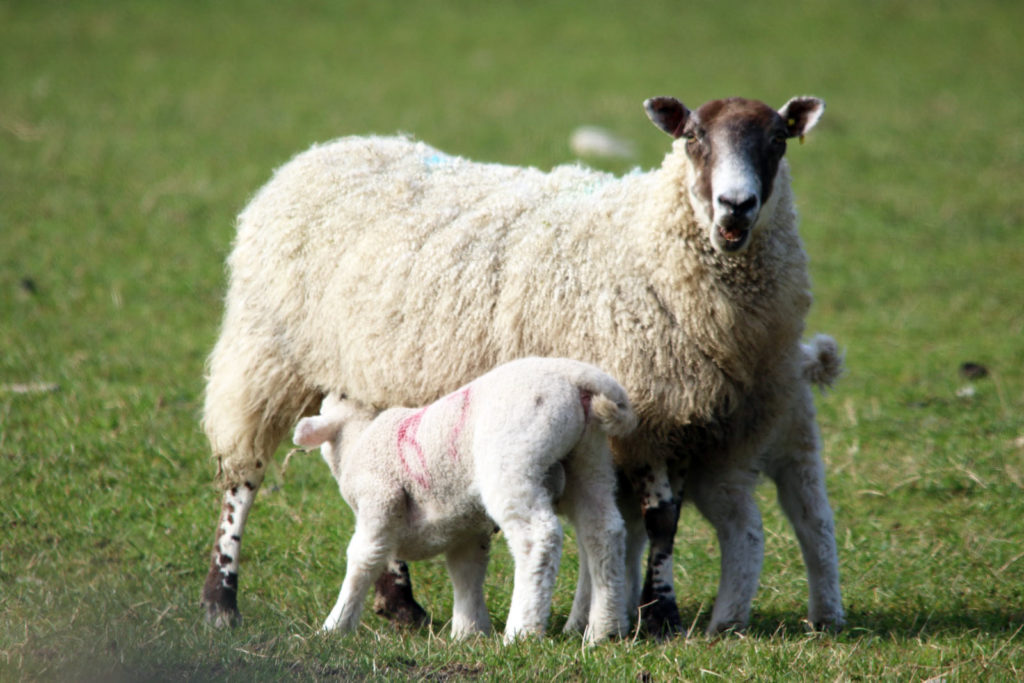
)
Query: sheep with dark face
[{"x": 385, "y": 270}]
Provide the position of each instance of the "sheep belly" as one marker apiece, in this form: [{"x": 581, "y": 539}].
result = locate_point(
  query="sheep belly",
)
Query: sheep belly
[
  {"x": 433, "y": 529},
  {"x": 411, "y": 476}
]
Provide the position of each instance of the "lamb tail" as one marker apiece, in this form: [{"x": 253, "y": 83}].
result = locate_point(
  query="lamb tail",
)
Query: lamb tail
[
  {"x": 615, "y": 418},
  {"x": 822, "y": 361}
]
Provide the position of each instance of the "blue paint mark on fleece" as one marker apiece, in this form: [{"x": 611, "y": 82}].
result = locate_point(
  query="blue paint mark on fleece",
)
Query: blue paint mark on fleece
[{"x": 435, "y": 160}]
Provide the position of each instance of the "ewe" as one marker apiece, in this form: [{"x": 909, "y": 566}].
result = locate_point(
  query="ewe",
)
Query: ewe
[{"x": 391, "y": 273}]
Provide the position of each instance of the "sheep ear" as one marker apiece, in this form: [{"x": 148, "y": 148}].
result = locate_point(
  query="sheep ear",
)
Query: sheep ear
[
  {"x": 667, "y": 113},
  {"x": 315, "y": 431},
  {"x": 800, "y": 114}
]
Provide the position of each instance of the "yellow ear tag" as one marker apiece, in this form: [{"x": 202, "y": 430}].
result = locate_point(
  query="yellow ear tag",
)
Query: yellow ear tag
[{"x": 791, "y": 123}]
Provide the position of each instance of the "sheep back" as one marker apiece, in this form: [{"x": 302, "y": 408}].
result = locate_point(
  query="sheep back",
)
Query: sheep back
[{"x": 390, "y": 272}]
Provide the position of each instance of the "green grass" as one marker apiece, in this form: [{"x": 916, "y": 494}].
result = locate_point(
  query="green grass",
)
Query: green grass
[{"x": 131, "y": 134}]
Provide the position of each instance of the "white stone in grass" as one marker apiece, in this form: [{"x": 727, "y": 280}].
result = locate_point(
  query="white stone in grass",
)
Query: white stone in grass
[{"x": 594, "y": 141}]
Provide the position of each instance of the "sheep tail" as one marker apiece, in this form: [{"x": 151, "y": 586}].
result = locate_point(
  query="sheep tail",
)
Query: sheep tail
[{"x": 822, "y": 361}]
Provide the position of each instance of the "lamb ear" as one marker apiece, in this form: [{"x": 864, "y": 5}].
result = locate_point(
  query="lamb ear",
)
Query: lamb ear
[
  {"x": 667, "y": 113},
  {"x": 800, "y": 114},
  {"x": 315, "y": 431}
]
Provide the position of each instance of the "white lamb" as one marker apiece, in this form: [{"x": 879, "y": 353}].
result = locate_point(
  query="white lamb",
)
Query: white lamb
[
  {"x": 821, "y": 364},
  {"x": 822, "y": 361},
  {"x": 510, "y": 448},
  {"x": 392, "y": 273}
]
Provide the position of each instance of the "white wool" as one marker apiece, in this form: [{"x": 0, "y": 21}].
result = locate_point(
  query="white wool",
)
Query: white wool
[
  {"x": 364, "y": 262},
  {"x": 822, "y": 361},
  {"x": 437, "y": 479},
  {"x": 385, "y": 270}
]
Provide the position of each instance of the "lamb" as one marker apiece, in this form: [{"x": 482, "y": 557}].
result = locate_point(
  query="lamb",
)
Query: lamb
[
  {"x": 363, "y": 263},
  {"x": 821, "y": 365},
  {"x": 503, "y": 449},
  {"x": 822, "y": 361}
]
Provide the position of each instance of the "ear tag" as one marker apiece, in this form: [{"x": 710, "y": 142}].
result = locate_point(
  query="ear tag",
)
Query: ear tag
[{"x": 792, "y": 122}]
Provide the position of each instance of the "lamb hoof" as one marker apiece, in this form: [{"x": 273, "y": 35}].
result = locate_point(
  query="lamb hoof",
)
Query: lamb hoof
[
  {"x": 470, "y": 630},
  {"x": 609, "y": 632},
  {"x": 721, "y": 628},
  {"x": 661, "y": 619},
  {"x": 831, "y": 624},
  {"x": 574, "y": 626},
  {"x": 513, "y": 634}
]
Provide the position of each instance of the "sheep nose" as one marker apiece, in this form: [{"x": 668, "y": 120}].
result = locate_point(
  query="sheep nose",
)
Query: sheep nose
[{"x": 738, "y": 207}]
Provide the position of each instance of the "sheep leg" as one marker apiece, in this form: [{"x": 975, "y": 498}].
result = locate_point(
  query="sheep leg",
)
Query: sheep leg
[
  {"x": 802, "y": 495},
  {"x": 629, "y": 509},
  {"x": 393, "y": 598},
  {"x": 601, "y": 533},
  {"x": 636, "y": 541},
  {"x": 467, "y": 567},
  {"x": 580, "y": 612},
  {"x": 252, "y": 399},
  {"x": 660, "y": 507},
  {"x": 220, "y": 591},
  {"x": 367, "y": 556},
  {"x": 535, "y": 539},
  {"x": 726, "y": 499}
]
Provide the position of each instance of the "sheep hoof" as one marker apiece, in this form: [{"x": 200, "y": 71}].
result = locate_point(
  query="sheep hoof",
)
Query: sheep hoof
[
  {"x": 394, "y": 600},
  {"x": 402, "y": 615},
  {"x": 221, "y": 618},
  {"x": 220, "y": 598},
  {"x": 221, "y": 615},
  {"x": 661, "y": 618}
]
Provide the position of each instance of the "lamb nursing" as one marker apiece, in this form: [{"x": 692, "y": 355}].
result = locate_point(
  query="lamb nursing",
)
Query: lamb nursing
[
  {"x": 524, "y": 440},
  {"x": 384, "y": 270}
]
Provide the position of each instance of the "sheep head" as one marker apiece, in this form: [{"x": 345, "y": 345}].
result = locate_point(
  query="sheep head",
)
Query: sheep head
[
  {"x": 735, "y": 146},
  {"x": 338, "y": 419}
]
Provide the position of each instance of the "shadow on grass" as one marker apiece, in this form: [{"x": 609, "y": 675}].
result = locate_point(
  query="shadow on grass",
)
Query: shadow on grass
[{"x": 886, "y": 624}]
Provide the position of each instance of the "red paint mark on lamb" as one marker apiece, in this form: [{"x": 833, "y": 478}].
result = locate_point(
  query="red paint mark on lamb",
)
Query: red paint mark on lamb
[
  {"x": 460, "y": 423},
  {"x": 408, "y": 443}
]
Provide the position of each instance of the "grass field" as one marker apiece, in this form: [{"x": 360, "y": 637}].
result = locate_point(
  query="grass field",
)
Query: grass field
[{"x": 131, "y": 134}]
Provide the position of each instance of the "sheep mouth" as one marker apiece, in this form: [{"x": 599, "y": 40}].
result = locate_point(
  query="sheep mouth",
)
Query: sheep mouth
[{"x": 733, "y": 237}]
